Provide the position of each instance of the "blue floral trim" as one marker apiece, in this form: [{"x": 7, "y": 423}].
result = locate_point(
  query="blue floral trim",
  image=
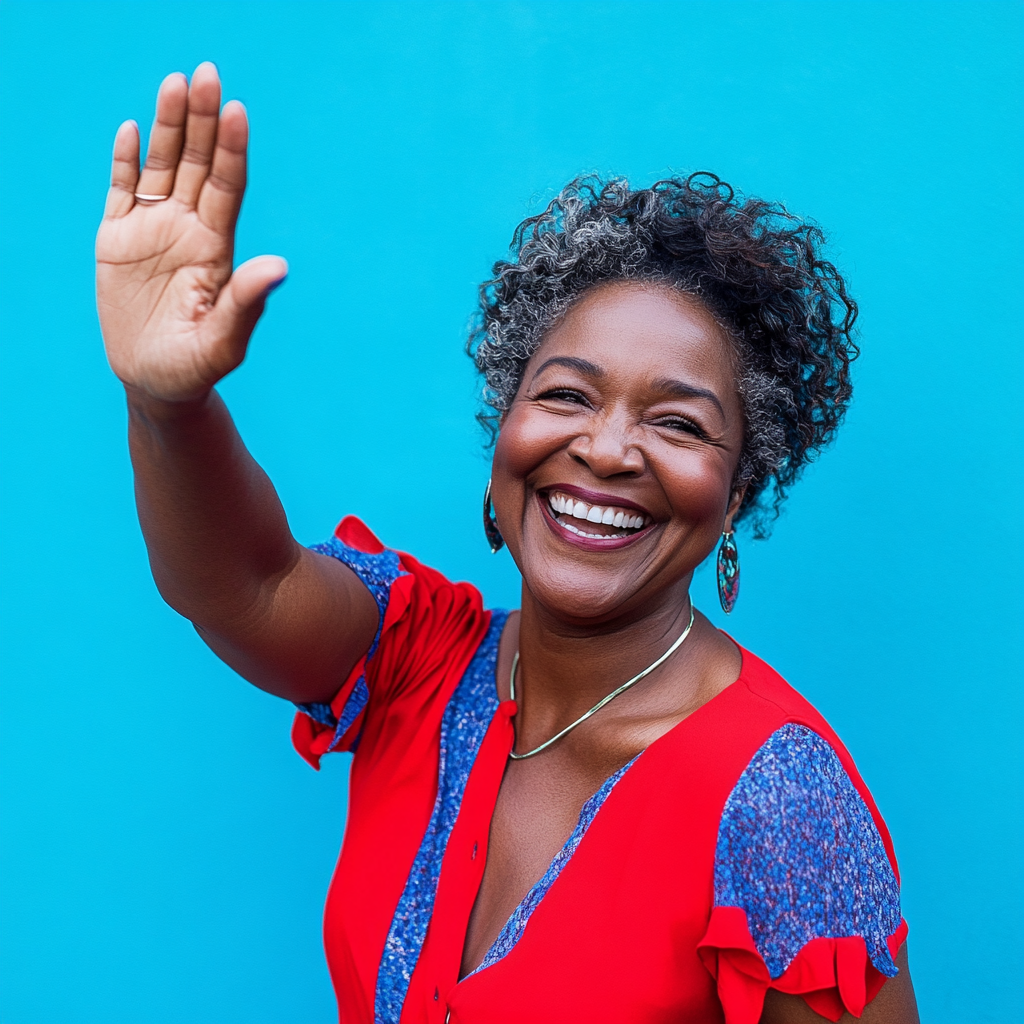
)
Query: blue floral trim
[
  {"x": 463, "y": 725},
  {"x": 799, "y": 852},
  {"x": 516, "y": 924},
  {"x": 377, "y": 573}
]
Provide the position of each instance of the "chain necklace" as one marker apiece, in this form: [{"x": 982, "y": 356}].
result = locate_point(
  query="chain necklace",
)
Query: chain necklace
[{"x": 604, "y": 700}]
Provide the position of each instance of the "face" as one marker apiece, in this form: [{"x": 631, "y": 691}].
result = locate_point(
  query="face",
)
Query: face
[{"x": 613, "y": 470}]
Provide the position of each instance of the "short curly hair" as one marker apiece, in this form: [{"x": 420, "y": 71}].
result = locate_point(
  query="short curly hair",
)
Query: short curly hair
[{"x": 755, "y": 267}]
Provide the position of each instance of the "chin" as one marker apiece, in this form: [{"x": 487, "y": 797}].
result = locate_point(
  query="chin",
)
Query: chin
[
  {"x": 586, "y": 607},
  {"x": 573, "y": 591}
]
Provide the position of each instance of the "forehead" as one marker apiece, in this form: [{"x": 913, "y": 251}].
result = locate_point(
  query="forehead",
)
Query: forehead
[{"x": 644, "y": 331}]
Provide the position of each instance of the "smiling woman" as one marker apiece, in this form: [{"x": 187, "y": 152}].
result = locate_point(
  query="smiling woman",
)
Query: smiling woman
[{"x": 598, "y": 807}]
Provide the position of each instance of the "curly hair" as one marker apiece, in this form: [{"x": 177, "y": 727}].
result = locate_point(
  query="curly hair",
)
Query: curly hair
[{"x": 754, "y": 266}]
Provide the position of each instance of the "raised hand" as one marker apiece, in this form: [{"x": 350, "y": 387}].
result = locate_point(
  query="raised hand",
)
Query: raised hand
[{"x": 175, "y": 319}]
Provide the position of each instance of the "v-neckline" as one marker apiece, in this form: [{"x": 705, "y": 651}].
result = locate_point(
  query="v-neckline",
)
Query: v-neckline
[{"x": 514, "y": 927}]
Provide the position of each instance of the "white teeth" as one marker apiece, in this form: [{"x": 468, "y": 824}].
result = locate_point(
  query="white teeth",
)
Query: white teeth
[
  {"x": 596, "y": 536},
  {"x": 608, "y": 516}
]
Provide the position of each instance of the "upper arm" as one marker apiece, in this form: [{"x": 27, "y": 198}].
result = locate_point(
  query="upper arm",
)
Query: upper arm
[
  {"x": 894, "y": 1004},
  {"x": 304, "y": 633}
]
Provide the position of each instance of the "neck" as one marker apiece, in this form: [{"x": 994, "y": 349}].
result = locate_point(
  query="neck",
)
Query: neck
[{"x": 566, "y": 667}]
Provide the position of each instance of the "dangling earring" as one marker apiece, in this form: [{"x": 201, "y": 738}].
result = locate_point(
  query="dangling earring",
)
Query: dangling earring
[
  {"x": 494, "y": 537},
  {"x": 728, "y": 572}
]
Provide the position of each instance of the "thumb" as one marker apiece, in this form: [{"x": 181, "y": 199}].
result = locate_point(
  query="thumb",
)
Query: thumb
[{"x": 240, "y": 305}]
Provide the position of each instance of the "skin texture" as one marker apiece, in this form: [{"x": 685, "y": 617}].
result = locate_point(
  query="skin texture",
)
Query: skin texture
[{"x": 632, "y": 395}]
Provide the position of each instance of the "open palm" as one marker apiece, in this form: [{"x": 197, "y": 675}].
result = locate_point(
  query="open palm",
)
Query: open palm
[{"x": 174, "y": 317}]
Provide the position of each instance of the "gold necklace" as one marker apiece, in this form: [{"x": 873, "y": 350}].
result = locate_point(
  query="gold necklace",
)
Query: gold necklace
[{"x": 604, "y": 700}]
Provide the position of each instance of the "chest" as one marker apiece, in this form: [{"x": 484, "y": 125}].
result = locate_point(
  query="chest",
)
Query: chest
[
  {"x": 536, "y": 812},
  {"x": 586, "y": 875},
  {"x": 523, "y": 870}
]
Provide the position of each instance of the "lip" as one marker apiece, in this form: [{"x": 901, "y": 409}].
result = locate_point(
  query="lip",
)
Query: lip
[
  {"x": 589, "y": 543},
  {"x": 597, "y": 498}
]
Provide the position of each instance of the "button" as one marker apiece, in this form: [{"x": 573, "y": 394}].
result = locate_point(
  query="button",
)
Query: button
[
  {"x": 436, "y": 994},
  {"x": 473, "y": 857}
]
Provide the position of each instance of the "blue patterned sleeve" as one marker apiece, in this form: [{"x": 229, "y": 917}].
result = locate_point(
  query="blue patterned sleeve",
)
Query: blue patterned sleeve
[
  {"x": 799, "y": 852},
  {"x": 377, "y": 572}
]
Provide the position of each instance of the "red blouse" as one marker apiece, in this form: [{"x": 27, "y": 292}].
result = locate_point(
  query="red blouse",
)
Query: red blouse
[{"x": 738, "y": 852}]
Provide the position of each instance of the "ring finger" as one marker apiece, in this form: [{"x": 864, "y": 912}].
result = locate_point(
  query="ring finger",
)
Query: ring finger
[{"x": 165, "y": 138}]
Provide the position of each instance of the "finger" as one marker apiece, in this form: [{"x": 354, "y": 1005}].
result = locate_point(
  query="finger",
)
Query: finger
[
  {"x": 124, "y": 171},
  {"x": 165, "y": 137},
  {"x": 239, "y": 306},
  {"x": 221, "y": 195},
  {"x": 200, "y": 133}
]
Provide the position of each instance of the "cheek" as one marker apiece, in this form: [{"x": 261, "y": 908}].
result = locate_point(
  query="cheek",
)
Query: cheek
[
  {"x": 698, "y": 486},
  {"x": 527, "y": 439}
]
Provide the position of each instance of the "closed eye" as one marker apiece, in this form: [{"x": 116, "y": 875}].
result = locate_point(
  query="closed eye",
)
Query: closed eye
[
  {"x": 683, "y": 425},
  {"x": 565, "y": 395}
]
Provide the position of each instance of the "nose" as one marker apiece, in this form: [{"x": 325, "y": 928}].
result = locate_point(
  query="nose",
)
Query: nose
[{"x": 607, "y": 447}]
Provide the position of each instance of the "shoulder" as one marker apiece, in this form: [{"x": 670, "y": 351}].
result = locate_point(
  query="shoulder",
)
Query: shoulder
[
  {"x": 765, "y": 701},
  {"x": 401, "y": 585},
  {"x": 778, "y": 700},
  {"x": 802, "y": 854},
  {"x": 806, "y": 891},
  {"x": 428, "y": 631}
]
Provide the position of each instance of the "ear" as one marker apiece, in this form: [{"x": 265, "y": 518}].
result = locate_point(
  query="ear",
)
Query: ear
[{"x": 735, "y": 500}]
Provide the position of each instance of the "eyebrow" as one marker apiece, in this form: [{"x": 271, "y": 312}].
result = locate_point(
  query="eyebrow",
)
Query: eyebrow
[
  {"x": 681, "y": 389},
  {"x": 581, "y": 365}
]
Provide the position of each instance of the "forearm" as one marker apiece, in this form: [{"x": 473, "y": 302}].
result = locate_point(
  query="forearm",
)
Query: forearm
[
  {"x": 290, "y": 621},
  {"x": 217, "y": 535}
]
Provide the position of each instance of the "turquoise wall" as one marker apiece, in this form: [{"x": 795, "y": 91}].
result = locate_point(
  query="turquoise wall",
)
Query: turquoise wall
[{"x": 165, "y": 853}]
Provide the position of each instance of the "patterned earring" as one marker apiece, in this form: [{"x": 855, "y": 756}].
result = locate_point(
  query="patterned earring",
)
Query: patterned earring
[
  {"x": 728, "y": 572},
  {"x": 494, "y": 537}
]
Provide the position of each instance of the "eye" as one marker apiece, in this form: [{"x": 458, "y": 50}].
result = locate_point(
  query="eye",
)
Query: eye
[
  {"x": 564, "y": 395},
  {"x": 682, "y": 425}
]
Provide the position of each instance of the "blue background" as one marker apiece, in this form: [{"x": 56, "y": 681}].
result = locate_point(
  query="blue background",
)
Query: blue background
[{"x": 165, "y": 853}]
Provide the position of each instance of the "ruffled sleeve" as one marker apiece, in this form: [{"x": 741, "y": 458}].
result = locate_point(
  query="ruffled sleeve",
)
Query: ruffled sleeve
[
  {"x": 807, "y": 900},
  {"x": 427, "y": 628},
  {"x": 321, "y": 728}
]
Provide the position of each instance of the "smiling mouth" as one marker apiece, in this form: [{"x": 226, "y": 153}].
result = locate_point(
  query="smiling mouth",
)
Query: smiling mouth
[{"x": 597, "y": 522}]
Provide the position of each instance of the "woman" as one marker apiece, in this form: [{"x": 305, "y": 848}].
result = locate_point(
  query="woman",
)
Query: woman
[{"x": 597, "y": 808}]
